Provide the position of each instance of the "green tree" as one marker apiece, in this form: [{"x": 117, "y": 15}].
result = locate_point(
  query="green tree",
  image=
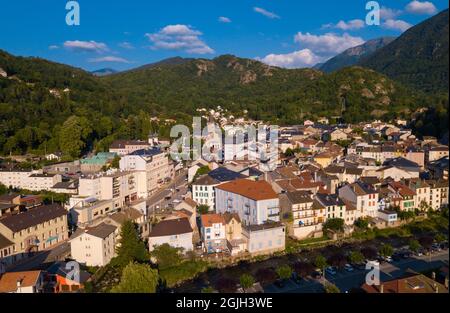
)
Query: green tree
[
  {"x": 208, "y": 289},
  {"x": 137, "y": 278},
  {"x": 131, "y": 248},
  {"x": 284, "y": 272},
  {"x": 3, "y": 189},
  {"x": 116, "y": 162},
  {"x": 335, "y": 224},
  {"x": 362, "y": 223},
  {"x": 320, "y": 262},
  {"x": 440, "y": 238},
  {"x": 386, "y": 250},
  {"x": 246, "y": 281},
  {"x": 203, "y": 209},
  {"x": 202, "y": 171},
  {"x": 166, "y": 255},
  {"x": 356, "y": 257},
  {"x": 73, "y": 136},
  {"x": 414, "y": 245}
]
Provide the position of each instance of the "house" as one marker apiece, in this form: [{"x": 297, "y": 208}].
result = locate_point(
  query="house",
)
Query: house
[
  {"x": 306, "y": 220},
  {"x": 128, "y": 214},
  {"x": 254, "y": 201},
  {"x": 203, "y": 189},
  {"x": 84, "y": 211},
  {"x": 233, "y": 231},
  {"x": 333, "y": 207},
  {"x": 174, "y": 232},
  {"x": 213, "y": 233},
  {"x": 324, "y": 159},
  {"x": 338, "y": 135},
  {"x": 65, "y": 278},
  {"x": 439, "y": 168},
  {"x": 388, "y": 216},
  {"x": 437, "y": 152},
  {"x": 124, "y": 147},
  {"x": 192, "y": 171},
  {"x": 423, "y": 192},
  {"x": 97, "y": 162},
  {"x": 94, "y": 246},
  {"x": 34, "y": 230},
  {"x": 396, "y": 173},
  {"x": 438, "y": 193},
  {"x": 402, "y": 196},
  {"x": 53, "y": 156},
  {"x": 412, "y": 283},
  {"x": 264, "y": 238},
  {"x": 361, "y": 197},
  {"x": 6, "y": 252},
  {"x": 22, "y": 282}
]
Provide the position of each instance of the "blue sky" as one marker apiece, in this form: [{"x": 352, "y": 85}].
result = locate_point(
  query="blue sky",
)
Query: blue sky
[{"x": 130, "y": 33}]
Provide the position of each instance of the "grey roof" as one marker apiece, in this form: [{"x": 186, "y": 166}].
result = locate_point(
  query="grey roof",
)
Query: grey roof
[
  {"x": 402, "y": 163},
  {"x": 147, "y": 152},
  {"x": 32, "y": 217},
  {"x": 101, "y": 231},
  {"x": 222, "y": 174},
  {"x": 171, "y": 227},
  {"x": 299, "y": 197},
  {"x": 329, "y": 200},
  {"x": 269, "y": 225}
]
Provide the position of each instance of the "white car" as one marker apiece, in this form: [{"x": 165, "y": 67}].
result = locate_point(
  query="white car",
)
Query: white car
[{"x": 388, "y": 259}]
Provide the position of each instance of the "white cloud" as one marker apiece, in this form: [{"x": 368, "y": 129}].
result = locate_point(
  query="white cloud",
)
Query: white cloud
[
  {"x": 126, "y": 45},
  {"x": 350, "y": 25},
  {"x": 296, "y": 59},
  {"x": 179, "y": 37},
  {"x": 327, "y": 44},
  {"x": 417, "y": 7},
  {"x": 388, "y": 13},
  {"x": 224, "y": 19},
  {"x": 399, "y": 25},
  {"x": 91, "y": 46},
  {"x": 109, "y": 59},
  {"x": 53, "y": 47},
  {"x": 266, "y": 13}
]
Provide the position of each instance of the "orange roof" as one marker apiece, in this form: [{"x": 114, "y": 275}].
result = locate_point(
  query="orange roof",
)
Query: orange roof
[
  {"x": 8, "y": 281},
  {"x": 209, "y": 219},
  {"x": 256, "y": 190},
  {"x": 417, "y": 283}
]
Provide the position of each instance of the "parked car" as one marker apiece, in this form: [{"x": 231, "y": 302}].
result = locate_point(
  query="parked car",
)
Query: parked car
[
  {"x": 388, "y": 259},
  {"x": 331, "y": 270},
  {"x": 435, "y": 247},
  {"x": 406, "y": 255},
  {"x": 396, "y": 257},
  {"x": 348, "y": 268}
]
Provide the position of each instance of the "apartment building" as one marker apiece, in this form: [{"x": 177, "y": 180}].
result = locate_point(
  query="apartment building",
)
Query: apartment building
[
  {"x": 213, "y": 233},
  {"x": 254, "y": 201},
  {"x": 361, "y": 197},
  {"x": 151, "y": 168},
  {"x": 174, "y": 232},
  {"x": 436, "y": 153},
  {"x": 30, "y": 180},
  {"x": 35, "y": 229},
  {"x": 124, "y": 147},
  {"x": 84, "y": 211},
  {"x": 119, "y": 186},
  {"x": 438, "y": 193},
  {"x": 94, "y": 246},
  {"x": 264, "y": 239}
]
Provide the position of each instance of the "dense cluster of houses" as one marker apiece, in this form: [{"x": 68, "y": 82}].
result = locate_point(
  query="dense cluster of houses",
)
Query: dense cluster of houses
[{"x": 322, "y": 172}]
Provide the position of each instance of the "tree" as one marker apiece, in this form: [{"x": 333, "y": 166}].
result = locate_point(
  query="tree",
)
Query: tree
[
  {"x": 362, "y": 223},
  {"x": 426, "y": 242},
  {"x": 369, "y": 253},
  {"x": 356, "y": 257},
  {"x": 331, "y": 288},
  {"x": 386, "y": 250},
  {"x": 166, "y": 255},
  {"x": 335, "y": 224},
  {"x": 73, "y": 135},
  {"x": 303, "y": 269},
  {"x": 116, "y": 162},
  {"x": 202, "y": 171},
  {"x": 284, "y": 272},
  {"x": 226, "y": 285},
  {"x": 320, "y": 262},
  {"x": 3, "y": 189},
  {"x": 137, "y": 278},
  {"x": 203, "y": 209},
  {"x": 131, "y": 248},
  {"x": 414, "y": 245},
  {"x": 338, "y": 260},
  {"x": 440, "y": 238},
  {"x": 208, "y": 289},
  {"x": 247, "y": 281}
]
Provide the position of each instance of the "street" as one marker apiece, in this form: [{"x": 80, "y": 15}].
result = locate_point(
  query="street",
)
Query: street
[{"x": 345, "y": 281}]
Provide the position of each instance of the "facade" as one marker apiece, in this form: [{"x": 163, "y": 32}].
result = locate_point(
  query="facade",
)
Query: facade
[
  {"x": 94, "y": 246},
  {"x": 264, "y": 239},
  {"x": 254, "y": 201},
  {"x": 36, "y": 229},
  {"x": 213, "y": 233},
  {"x": 85, "y": 211},
  {"x": 174, "y": 232},
  {"x": 361, "y": 197},
  {"x": 124, "y": 147},
  {"x": 29, "y": 180},
  {"x": 22, "y": 282},
  {"x": 151, "y": 168}
]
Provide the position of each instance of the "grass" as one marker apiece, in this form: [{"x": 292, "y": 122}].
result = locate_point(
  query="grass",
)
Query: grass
[{"x": 182, "y": 272}]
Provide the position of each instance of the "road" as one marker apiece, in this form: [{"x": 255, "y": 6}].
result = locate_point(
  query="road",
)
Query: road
[
  {"x": 42, "y": 258},
  {"x": 345, "y": 281},
  {"x": 158, "y": 200}
]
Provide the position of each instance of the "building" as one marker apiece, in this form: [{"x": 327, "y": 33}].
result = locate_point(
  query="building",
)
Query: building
[
  {"x": 264, "y": 239},
  {"x": 174, "y": 232},
  {"x": 436, "y": 153},
  {"x": 94, "y": 246},
  {"x": 124, "y": 147},
  {"x": 333, "y": 206},
  {"x": 361, "y": 197},
  {"x": 412, "y": 283},
  {"x": 6, "y": 253},
  {"x": 438, "y": 193},
  {"x": 213, "y": 233},
  {"x": 97, "y": 162},
  {"x": 86, "y": 210},
  {"x": 233, "y": 231},
  {"x": 36, "y": 229},
  {"x": 29, "y": 180},
  {"x": 254, "y": 201},
  {"x": 22, "y": 282},
  {"x": 62, "y": 278},
  {"x": 151, "y": 168},
  {"x": 203, "y": 189}
]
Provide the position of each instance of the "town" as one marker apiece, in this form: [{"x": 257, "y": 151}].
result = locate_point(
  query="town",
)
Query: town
[{"x": 315, "y": 209}]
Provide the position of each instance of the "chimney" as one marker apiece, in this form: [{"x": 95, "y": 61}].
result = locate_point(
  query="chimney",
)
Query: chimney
[
  {"x": 446, "y": 282},
  {"x": 381, "y": 288},
  {"x": 19, "y": 283}
]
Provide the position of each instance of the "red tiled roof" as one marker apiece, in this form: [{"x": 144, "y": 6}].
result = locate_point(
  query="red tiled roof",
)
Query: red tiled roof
[
  {"x": 256, "y": 190},
  {"x": 209, "y": 219}
]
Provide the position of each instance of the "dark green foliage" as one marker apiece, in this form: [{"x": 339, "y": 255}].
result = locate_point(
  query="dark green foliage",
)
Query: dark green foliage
[
  {"x": 166, "y": 255},
  {"x": 335, "y": 224},
  {"x": 284, "y": 272},
  {"x": 131, "y": 248},
  {"x": 203, "y": 209},
  {"x": 137, "y": 278},
  {"x": 419, "y": 57}
]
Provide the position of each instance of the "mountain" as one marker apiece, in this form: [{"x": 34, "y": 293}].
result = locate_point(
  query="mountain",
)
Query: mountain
[
  {"x": 46, "y": 106},
  {"x": 419, "y": 57},
  {"x": 165, "y": 62},
  {"x": 352, "y": 56},
  {"x": 104, "y": 72}
]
